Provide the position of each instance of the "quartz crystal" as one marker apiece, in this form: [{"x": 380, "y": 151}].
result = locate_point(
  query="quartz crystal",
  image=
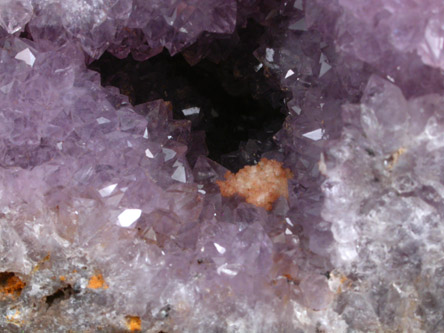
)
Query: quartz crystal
[{"x": 111, "y": 217}]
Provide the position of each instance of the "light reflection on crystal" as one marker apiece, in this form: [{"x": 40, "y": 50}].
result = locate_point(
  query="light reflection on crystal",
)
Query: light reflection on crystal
[
  {"x": 227, "y": 270},
  {"x": 315, "y": 135},
  {"x": 148, "y": 153},
  {"x": 258, "y": 67},
  {"x": 289, "y": 222},
  {"x": 269, "y": 54},
  {"x": 179, "y": 174},
  {"x": 391, "y": 79},
  {"x": 289, "y": 73},
  {"x": 191, "y": 111},
  {"x": 219, "y": 248},
  {"x": 108, "y": 190},
  {"x": 102, "y": 120},
  {"x": 169, "y": 153},
  {"x": 129, "y": 216},
  {"x": 26, "y": 56}
]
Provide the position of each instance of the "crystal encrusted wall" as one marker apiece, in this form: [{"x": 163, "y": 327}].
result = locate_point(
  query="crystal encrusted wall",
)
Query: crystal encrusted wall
[{"x": 105, "y": 225}]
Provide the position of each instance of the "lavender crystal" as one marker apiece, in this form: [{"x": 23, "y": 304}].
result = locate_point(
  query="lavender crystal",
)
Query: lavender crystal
[{"x": 106, "y": 226}]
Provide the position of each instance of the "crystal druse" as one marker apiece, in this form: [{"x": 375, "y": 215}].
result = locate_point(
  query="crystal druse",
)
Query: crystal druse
[{"x": 106, "y": 226}]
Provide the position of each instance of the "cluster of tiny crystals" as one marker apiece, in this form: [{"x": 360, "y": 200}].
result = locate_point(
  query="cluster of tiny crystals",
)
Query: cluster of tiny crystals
[{"x": 105, "y": 226}]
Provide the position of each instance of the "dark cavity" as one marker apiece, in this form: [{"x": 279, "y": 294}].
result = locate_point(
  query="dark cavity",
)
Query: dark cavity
[{"x": 241, "y": 106}]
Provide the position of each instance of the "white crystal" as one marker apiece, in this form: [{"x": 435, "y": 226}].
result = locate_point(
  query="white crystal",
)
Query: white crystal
[
  {"x": 434, "y": 41},
  {"x": 191, "y": 111},
  {"x": 225, "y": 270},
  {"x": 315, "y": 135},
  {"x": 258, "y": 67},
  {"x": 26, "y": 56},
  {"x": 289, "y": 73},
  {"x": 148, "y": 153},
  {"x": 169, "y": 153},
  {"x": 289, "y": 222},
  {"x": 180, "y": 174},
  {"x": 219, "y": 248},
  {"x": 102, "y": 120},
  {"x": 347, "y": 251},
  {"x": 106, "y": 191},
  {"x": 391, "y": 79},
  {"x": 129, "y": 216},
  {"x": 269, "y": 54}
]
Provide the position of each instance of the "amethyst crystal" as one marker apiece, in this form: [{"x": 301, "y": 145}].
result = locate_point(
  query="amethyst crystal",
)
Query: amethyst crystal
[{"x": 105, "y": 225}]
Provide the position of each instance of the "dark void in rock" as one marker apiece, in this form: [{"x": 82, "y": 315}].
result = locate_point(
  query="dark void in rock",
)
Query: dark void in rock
[{"x": 228, "y": 95}]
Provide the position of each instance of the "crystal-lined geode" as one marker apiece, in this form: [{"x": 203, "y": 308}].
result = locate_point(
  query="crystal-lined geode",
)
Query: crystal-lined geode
[{"x": 105, "y": 226}]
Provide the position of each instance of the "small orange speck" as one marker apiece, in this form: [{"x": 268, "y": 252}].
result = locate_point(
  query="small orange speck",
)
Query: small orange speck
[
  {"x": 133, "y": 323},
  {"x": 289, "y": 277},
  {"x": 96, "y": 282},
  {"x": 62, "y": 278}
]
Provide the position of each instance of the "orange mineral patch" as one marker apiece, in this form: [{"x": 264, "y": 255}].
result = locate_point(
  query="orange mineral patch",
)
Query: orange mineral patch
[
  {"x": 133, "y": 323},
  {"x": 10, "y": 285},
  {"x": 96, "y": 282},
  {"x": 260, "y": 185}
]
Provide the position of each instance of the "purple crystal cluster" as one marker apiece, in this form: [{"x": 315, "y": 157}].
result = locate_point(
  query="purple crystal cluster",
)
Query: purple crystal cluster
[{"x": 92, "y": 187}]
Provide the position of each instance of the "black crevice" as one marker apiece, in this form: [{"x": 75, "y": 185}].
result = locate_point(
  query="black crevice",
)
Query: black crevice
[{"x": 241, "y": 107}]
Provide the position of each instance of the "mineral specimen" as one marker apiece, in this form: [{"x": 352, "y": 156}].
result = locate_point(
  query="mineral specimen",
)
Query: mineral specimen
[
  {"x": 260, "y": 185},
  {"x": 113, "y": 216}
]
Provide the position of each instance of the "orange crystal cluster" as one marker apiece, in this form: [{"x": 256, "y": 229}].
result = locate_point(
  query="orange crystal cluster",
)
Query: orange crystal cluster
[{"x": 260, "y": 185}]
